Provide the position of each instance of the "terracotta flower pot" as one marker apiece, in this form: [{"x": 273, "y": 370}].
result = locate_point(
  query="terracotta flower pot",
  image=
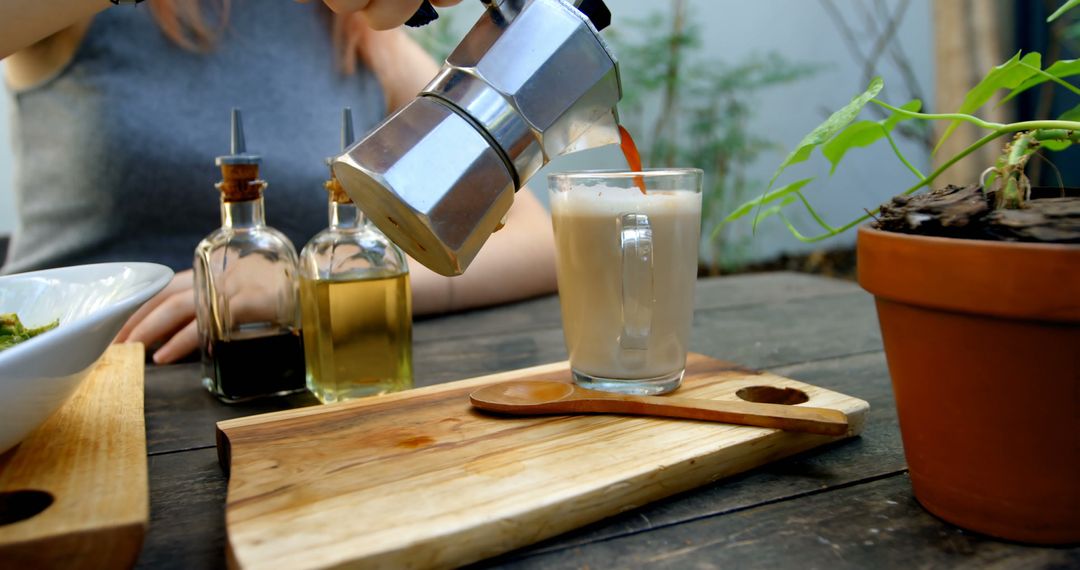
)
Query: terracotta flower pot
[{"x": 983, "y": 344}]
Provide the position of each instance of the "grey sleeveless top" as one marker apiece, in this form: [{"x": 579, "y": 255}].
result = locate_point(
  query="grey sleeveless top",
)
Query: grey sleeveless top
[{"x": 115, "y": 155}]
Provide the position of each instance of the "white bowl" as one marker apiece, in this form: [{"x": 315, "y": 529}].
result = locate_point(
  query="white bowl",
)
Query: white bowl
[{"x": 92, "y": 302}]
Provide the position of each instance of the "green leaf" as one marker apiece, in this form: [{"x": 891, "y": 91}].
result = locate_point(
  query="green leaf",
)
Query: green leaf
[
  {"x": 863, "y": 134},
  {"x": 766, "y": 198},
  {"x": 1056, "y": 145},
  {"x": 834, "y": 124},
  {"x": 1008, "y": 75},
  {"x": 1071, "y": 115},
  {"x": 1059, "y": 69},
  {"x": 776, "y": 209},
  {"x": 1064, "y": 8},
  {"x": 825, "y": 131}
]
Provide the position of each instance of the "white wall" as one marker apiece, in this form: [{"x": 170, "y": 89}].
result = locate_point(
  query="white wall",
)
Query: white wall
[{"x": 800, "y": 30}]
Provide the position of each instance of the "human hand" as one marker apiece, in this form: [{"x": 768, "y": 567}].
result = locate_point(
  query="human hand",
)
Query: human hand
[
  {"x": 383, "y": 14},
  {"x": 169, "y": 318}
]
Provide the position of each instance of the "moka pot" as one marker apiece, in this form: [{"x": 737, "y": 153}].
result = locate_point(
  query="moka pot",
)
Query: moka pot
[{"x": 532, "y": 80}]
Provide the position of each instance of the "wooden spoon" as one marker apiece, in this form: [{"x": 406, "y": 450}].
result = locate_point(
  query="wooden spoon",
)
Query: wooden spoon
[{"x": 538, "y": 397}]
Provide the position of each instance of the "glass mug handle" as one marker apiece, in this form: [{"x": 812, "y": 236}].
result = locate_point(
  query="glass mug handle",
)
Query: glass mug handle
[{"x": 635, "y": 234}]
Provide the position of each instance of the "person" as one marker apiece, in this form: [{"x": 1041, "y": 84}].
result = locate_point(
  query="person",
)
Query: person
[{"x": 119, "y": 111}]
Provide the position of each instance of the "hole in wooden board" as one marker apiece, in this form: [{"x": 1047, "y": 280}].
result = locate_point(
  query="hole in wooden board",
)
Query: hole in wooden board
[
  {"x": 772, "y": 395},
  {"x": 18, "y": 506}
]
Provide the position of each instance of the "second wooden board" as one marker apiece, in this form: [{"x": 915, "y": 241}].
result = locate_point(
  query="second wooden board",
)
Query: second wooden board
[{"x": 419, "y": 479}]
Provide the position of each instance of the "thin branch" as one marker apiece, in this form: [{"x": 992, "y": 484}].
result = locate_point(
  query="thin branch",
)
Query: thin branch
[
  {"x": 665, "y": 121},
  {"x": 922, "y": 136},
  {"x": 1050, "y": 163},
  {"x": 883, "y": 40}
]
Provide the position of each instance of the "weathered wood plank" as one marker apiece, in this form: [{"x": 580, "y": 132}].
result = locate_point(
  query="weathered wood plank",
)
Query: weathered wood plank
[
  {"x": 188, "y": 489},
  {"x": 871, "y": 525},
  {"x": 187, "y": 512},
  {"x": 814, "y": 510},
  {"x": 757, "y": 336},
  {"x": 181, "y": 414},
  {"x": 713, "y": 293}
]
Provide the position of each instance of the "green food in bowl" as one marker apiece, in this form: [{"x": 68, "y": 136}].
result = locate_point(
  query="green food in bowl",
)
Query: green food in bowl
[{"x": 12, "y": 331}]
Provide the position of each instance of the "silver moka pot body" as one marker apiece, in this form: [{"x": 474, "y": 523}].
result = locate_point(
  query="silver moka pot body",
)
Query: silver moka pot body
[{"x": 532, "y": 80}]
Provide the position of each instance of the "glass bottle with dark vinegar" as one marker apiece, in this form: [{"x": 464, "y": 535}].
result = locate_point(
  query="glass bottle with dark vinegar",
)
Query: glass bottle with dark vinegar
[
  {"x": 246, "y": 297},
  {"x": 357, "y": 304}
]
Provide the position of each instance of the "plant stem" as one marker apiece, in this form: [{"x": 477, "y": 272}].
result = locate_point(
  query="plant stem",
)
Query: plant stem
[
  {"x": 921, "y": 184},
  {"x": 940, "y": 116},
  {"x": 1040, "y": 125},
  {"x": 1048, "y": 129},
  {"x": 900, "y": 155},
  {"x": 1056, "y": 135}
]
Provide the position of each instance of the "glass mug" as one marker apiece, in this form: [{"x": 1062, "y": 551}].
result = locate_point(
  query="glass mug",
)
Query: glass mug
[{"x": 627, "y": 265}]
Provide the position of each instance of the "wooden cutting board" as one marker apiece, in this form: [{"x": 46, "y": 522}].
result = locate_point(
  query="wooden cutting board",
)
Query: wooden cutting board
[
  {"x": 418, "y": 479},
  {"x": 84, "y": 473}
]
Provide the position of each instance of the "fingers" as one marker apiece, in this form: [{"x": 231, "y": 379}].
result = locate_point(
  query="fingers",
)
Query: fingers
[
  {"x": 346, "y": 6},
  {"x": 180, "y": 282},
  {"x": 180, "y": 345},
  {"x": 380, "y": 14},
  {"x": 173, "y": 314}
]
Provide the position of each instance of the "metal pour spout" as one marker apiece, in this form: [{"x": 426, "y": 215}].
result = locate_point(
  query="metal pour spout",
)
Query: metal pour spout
[{"x": 603, "y": 132}]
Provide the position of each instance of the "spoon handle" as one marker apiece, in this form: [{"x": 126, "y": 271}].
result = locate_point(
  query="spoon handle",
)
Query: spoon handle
[{"x": 821, "y": 421}]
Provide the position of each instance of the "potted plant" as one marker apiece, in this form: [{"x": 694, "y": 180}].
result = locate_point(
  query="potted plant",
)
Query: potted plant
[{"x": 978, "y": 297}]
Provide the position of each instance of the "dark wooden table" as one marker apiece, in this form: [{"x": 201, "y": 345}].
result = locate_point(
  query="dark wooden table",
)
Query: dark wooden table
[{"x": 848, "y": 505}]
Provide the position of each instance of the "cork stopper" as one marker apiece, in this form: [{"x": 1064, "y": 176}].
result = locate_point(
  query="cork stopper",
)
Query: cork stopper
[
  {"x": 337, "y": 193},
  {"x": 239, "y": 169}
]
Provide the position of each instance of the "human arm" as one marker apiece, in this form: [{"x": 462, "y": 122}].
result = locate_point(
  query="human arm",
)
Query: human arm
[
  {"x": 402, "y": 67},
  {"x": 23, "y": 23},
  {"x": 517, "y": 262}
]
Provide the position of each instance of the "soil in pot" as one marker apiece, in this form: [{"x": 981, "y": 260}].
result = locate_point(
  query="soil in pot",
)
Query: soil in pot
[{"x": 1052, "y": 215}]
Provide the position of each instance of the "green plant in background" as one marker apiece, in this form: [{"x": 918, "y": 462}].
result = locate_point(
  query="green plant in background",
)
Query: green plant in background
[
  {"x": 840, "y": 133},
  {"x": 702, "y": 118}
]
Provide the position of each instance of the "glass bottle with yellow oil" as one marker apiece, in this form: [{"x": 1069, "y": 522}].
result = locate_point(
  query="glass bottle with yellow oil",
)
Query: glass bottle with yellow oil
[{"x": 356, "y": 304}]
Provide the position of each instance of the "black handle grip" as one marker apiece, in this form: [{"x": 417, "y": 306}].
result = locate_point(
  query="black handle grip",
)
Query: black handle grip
[
  {"x": 597, "y": 12},
  {"x": 424, "y": 15}
]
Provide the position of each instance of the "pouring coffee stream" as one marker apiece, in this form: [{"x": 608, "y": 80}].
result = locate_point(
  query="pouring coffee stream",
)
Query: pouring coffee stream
[
  {"x": 532, "y": 80},
  {"x": 633, "y": 157}
]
